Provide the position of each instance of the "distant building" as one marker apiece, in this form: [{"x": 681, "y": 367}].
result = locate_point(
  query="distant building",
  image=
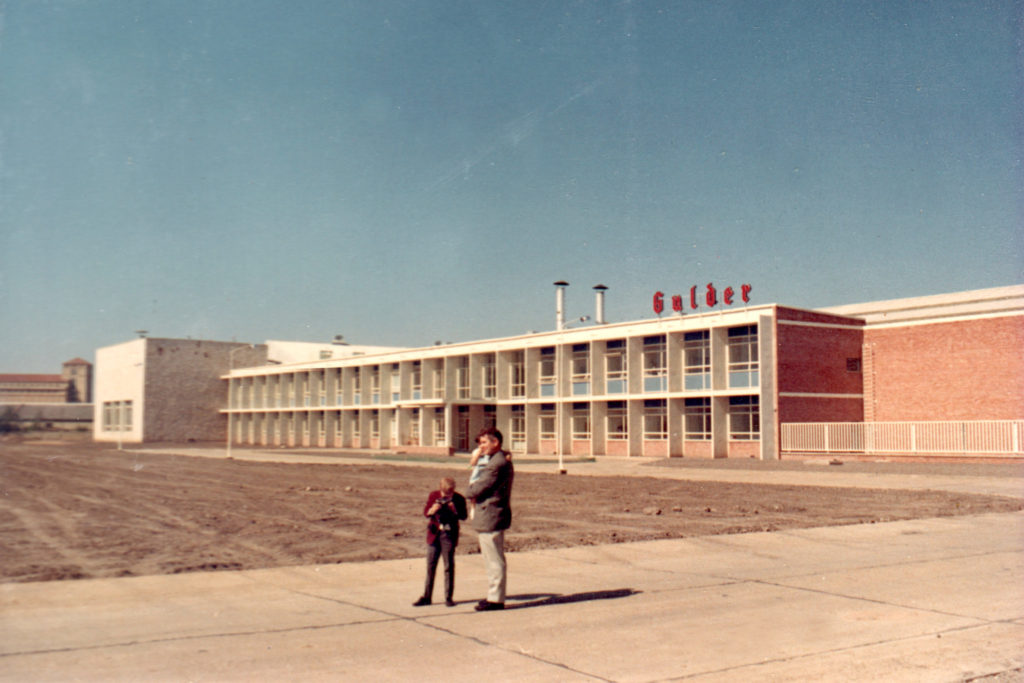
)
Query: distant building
[
  {"x": 78, "y": 374},
  {"x": 73, "y": 385},
  {"x": 49, "y": 401},
  {"x": 155, "y": 389}
]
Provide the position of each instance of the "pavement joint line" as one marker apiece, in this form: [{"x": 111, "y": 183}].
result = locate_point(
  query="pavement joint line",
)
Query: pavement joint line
[
  {"x": 421, "y": 621},
  {"x": 876, "y": 601},
  {"x": 981, "y": 677},
  {"x": 194, "y": 636},
  {"x": 885, "y": 565},
  {"x": 818, "y": 653}
]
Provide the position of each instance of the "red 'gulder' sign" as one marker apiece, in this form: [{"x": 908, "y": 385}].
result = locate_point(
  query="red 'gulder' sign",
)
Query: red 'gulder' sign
[{"x": 710, "y": 298}]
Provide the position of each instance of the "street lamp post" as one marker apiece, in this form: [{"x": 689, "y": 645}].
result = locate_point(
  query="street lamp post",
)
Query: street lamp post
[{"x": 231, "y": 393}]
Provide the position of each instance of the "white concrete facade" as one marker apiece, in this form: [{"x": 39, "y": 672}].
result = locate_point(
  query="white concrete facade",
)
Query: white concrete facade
[
  {"x": 695, "y": 385},
  {"x": 165, "y": 389}
]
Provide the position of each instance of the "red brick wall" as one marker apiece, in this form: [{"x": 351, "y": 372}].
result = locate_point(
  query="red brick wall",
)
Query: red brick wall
[
  {"x": 966, "y": 370},
  {"x": 697, "y": 449},
  {"x": 813, "y": 359},
  {"x": 801, "y": 409},
  {"x": 744, "y": 449},
  {"x": 616, "y": 447},
  {"x": 658, "y": 448}
]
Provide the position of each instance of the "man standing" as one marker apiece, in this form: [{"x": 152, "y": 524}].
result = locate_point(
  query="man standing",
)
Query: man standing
[{"x": 492, "y": 492}]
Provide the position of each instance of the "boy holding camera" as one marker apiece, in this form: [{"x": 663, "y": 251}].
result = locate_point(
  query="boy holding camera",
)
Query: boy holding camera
[{"x": 444, "y": 510}]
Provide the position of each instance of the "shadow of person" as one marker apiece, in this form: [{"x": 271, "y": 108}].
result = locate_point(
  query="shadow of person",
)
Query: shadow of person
[{"x": 542, "y": 599}]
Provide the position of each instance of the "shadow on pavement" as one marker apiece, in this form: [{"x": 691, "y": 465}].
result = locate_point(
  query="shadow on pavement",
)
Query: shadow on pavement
[{"x": 541, "y": 599}]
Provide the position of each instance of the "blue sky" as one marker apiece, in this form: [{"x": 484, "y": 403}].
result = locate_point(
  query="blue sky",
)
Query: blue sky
[{"x": 402, "y": 172}]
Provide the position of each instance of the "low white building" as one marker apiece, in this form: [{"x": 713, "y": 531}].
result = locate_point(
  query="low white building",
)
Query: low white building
[{"x": 154, "y": 389}]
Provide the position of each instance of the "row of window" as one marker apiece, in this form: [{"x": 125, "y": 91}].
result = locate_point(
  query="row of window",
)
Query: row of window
[
  {"x": 384, "y": 383},
  {"x": 743, "y": 418},
  {"x": 116, "y": 416},
  {"x": 743, "y": 422}
]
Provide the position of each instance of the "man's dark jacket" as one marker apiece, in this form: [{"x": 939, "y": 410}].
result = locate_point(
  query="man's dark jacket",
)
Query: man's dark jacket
[{"x": 492, "y": 493}]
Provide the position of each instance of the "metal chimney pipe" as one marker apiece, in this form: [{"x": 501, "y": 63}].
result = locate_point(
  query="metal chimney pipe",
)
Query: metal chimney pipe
[
  {"x": 599, "y": 304},
  {"x": 560, "y": 304}
]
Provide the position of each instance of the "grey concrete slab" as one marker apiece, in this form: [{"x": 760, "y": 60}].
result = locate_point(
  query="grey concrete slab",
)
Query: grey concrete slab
[
  {"x": 989, "y": 587},
  {"x": 112, "y": 612},
  {"x": 971, "y": 654},
  {"x": 394, "y": 650}
]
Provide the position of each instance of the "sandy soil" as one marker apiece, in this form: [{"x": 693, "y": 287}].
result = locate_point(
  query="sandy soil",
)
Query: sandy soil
[{"x": 82, "y": 510}]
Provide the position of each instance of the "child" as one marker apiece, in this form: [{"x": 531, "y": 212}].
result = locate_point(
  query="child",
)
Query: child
[{"x": 444, "y": 509}]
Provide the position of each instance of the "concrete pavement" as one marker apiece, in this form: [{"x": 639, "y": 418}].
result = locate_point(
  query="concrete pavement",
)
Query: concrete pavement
[{"x": 936, "y": 599}]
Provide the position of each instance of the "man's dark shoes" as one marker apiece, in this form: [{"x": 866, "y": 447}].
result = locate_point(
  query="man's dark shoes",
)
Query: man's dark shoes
[
  {"x": 421, "y": 602},
  {"x": 449, "y": 603},
  {"x": 488, "y": 606}
]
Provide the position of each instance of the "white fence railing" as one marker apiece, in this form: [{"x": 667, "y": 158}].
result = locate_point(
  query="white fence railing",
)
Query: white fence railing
[{"x": 983, "y": 437}]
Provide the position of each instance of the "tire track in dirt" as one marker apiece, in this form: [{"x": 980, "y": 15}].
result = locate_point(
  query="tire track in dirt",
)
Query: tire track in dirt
[{"x": 79, "y": 565}]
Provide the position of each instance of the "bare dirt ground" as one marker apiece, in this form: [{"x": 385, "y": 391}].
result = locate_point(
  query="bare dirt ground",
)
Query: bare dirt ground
[{"x": 81, "y": 510}]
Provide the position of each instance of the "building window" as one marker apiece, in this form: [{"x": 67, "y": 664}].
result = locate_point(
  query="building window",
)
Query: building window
[
  {"x": 375, "y": 384},
  {"x": 580, "y": 421},
  {"x": 339, "y": 393},
  {"x": 743, "y": 366},
  {"x": 117, "y": 416},
  {"x": 517, "y": 429},
  {"x": 655, "y": 370},
  {"x": 414, "y": 428},
  {"x": 547, "y": 372},
  {"x": 617, "y": 421},
  {"x": 307, "y": 390},
  {"x": 697, "y": 360},
  {"x": 580, "y": 369},
  {"x": 489, "y": 375},
  {"x": 517, "y": 375},
  {"x": 615, "y": 367},
  {"x": 355, "y": 429},
  {"x": 394, "y": 384},
  {"x": 547, "y": 428},
  {"x": 655, "y": 420},
  {"x": 338, "y": 432},
  {"x": 744, "y": 418},
  {"x": 438, "y": 382},
  {"x": 417, "y": 381},
  {"x": 322, "y": 386},
  {"x": 462, "y": 377},
  {"x": 375, "y": 424},
  {"x": 439, "y": 431},
  {"x": 357, "y": 386},
  {"x": 697, "y": 419}
]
